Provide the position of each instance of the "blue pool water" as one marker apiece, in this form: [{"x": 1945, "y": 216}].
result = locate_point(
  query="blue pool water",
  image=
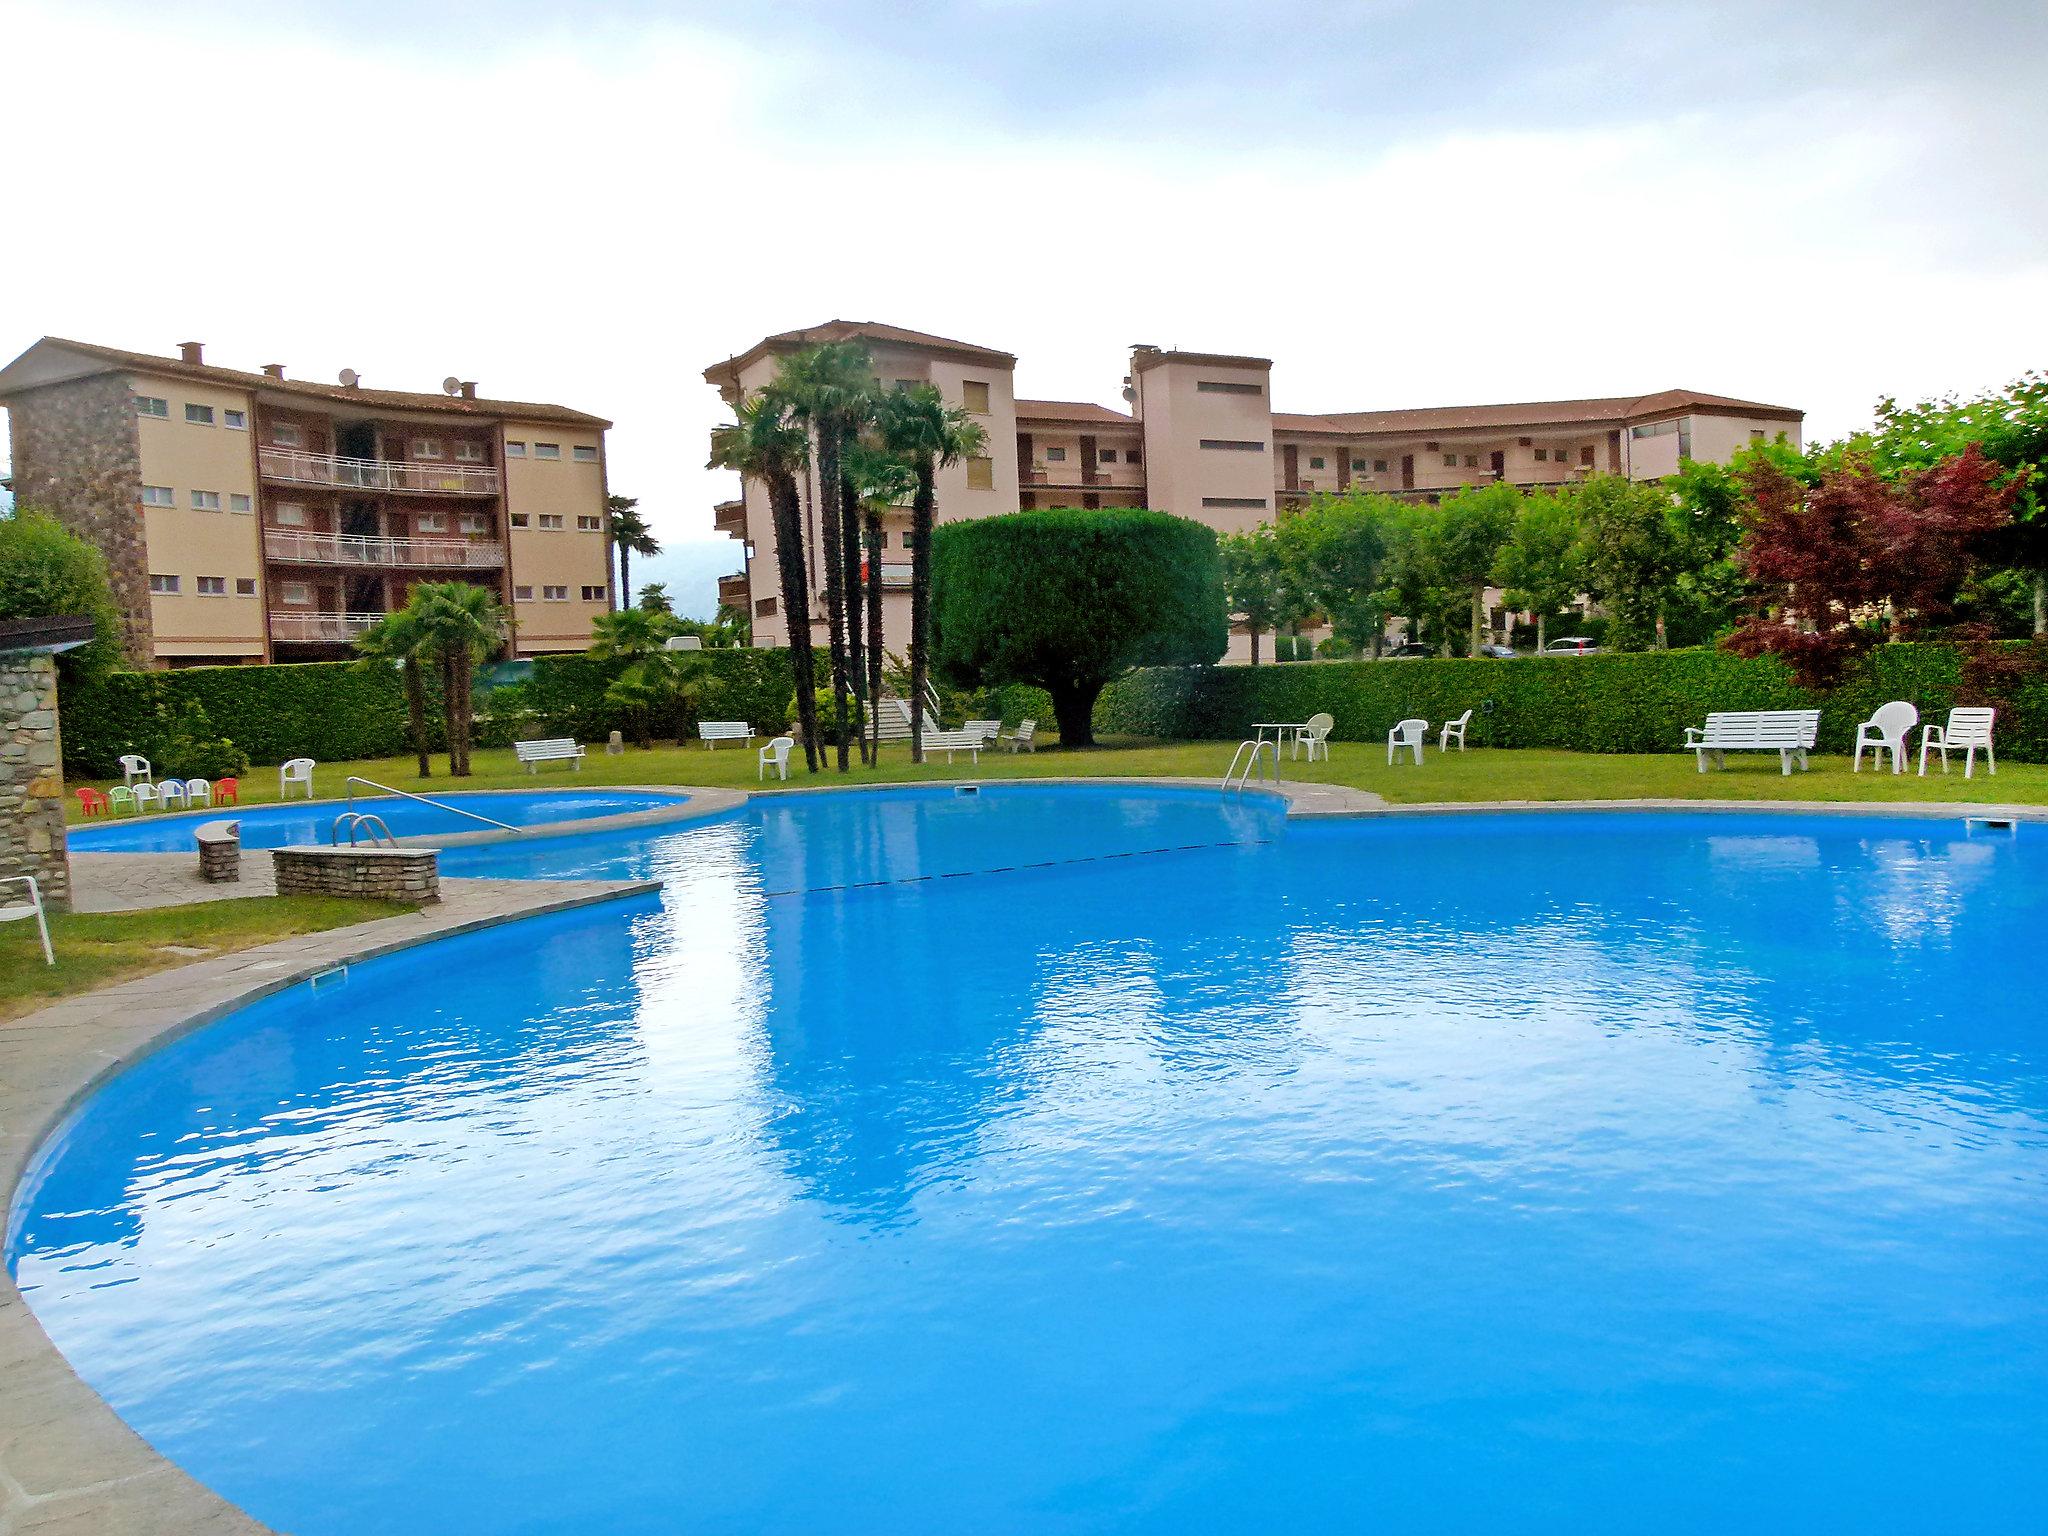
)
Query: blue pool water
[
  {"x": 310, "y": 821},
  {"x": 1565, "y": 1172}
]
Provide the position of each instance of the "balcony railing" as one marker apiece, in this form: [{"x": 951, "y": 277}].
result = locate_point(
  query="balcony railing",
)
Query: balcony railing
[
  {"x": 358, "y": 550},
  {"x": 730, "y": 517},
  {"x": 298, "y": 467},
  {"x": 320, "y": 628}
]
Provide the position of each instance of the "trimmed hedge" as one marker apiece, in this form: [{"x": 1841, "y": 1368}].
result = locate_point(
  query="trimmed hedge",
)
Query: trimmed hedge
[{"x": 1620, "y": 703}]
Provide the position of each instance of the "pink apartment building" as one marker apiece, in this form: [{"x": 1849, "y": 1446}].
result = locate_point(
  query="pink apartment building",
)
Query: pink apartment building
[{"x": 1201, "y": 439}]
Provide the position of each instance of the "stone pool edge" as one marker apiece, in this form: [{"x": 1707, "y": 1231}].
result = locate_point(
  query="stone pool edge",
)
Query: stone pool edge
[{"x": 67, "y": 1460}]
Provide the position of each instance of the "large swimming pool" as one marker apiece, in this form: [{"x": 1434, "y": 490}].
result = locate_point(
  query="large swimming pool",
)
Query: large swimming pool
[
  {"x": 312, "y": 821},
  {"x": 1102, "y": 1160}
]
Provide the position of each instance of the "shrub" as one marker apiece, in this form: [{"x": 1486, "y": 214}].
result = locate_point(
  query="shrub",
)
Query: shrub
[
  {"x": 47, "y": 572},
  {"x": 185, "y": 745}
]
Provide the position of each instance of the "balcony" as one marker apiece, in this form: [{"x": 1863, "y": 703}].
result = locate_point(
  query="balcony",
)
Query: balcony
[
  {"x": 352, "y": 550},
  {"x": 730, "y": 517},
  {"x": 735, "y": 591},
  {"x": 296, "y": 467},
  {"x": 300, "y": 628}
]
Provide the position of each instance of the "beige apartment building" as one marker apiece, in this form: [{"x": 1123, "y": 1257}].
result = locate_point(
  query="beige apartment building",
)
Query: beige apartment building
[
  {"x": 1201, "y": 439},
  {"x": 250, "y": 517}
]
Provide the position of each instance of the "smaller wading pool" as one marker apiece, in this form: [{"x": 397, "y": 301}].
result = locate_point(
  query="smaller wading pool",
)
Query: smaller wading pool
[{"x": 309, "y": 821}]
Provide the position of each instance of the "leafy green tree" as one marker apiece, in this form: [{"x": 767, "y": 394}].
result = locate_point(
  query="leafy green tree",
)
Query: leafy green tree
[
  {"x": 630, "y": 536},
  {"x": 654, "y": 598},
  {"x": 1069, "y": 600},
  {"x": 1333, "y": 558},
  {"x": 1465, "y": 538},
  {"x": 1255, "y": 583},
  {"x": 654, "y": 681},
  {"x": 1412, "y": 582},
  {"x": 48, "y": 572},
  {"x": 763, "y": 442},
  {"x": 400, "y": 640},
  {"x": 928, "y": 434},
  {"x": 462, "y": 623},
  {"x": 1633, "y": 555},
  {"x": 1541, "y": 567}
]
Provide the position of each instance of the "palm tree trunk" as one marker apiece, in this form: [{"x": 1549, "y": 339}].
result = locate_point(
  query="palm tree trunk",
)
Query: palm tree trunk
[
  {"x": 416, "y": 713},
  {"x": 786, "y": 511},
  {"x": 874, "y": 718},
  {"x": 448, "y": 710},
  {"x": 625, "y": 577},
  {"x": 461, "y": 720},
  {"x": 856, "y": 592},
  {"x": 835, "y": 579},
  {"x": 923, "y": 508}
]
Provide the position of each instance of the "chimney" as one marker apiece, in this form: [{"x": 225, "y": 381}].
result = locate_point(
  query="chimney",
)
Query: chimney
[
  {"x": 273, "y": 370},
  {"x": 469, "y": 389},
  {"x": 192, "y": 351}
]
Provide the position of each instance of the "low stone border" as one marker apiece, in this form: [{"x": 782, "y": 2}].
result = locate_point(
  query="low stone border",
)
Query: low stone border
[{"x": 68, "y": 1465}]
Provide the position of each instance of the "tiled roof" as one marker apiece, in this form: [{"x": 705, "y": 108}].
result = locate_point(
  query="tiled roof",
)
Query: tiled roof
[
  {"x": 1536, "y": 413},
  {"x": 336, "y": 394},
  {"x": 854, "y": 330},
  {"x": 1073, "y": 410}
]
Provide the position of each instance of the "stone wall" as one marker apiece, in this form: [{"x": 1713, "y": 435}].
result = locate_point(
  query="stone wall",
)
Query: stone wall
[
  {"x": 77, "y": 457},
  {"x": 31, "y": 783},
  {"x": 389, "y": 874}
]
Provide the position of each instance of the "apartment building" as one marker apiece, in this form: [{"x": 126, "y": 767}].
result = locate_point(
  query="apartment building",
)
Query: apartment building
[
  {"x": 1200, "y": 438},
  {"x": 251, "y": 517}
]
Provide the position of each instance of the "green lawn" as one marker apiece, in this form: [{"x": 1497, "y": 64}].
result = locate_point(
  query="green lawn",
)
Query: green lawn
[
  {"x": 1481, "y": 774},
  {"x": 95, "y": 948}
]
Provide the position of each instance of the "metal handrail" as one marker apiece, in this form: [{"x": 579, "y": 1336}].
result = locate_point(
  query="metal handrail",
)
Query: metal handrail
[
  {"x": 360, "y": 821},
  {"x": 1258, "y": 749},
  {"x": 440, "y": 805}
]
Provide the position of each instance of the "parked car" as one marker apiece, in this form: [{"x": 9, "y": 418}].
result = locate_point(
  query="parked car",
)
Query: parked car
[
  {"x": 1498, "y": 652},
  {"x": 1571, "y": 645},
  {"x": 1407, "y": 651}
]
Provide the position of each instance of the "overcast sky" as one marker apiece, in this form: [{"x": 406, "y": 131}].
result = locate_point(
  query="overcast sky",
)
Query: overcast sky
[{"x": 1400, "y": 203}]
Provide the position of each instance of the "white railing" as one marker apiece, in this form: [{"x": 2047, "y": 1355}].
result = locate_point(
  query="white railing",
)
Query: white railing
[
  {"x": 330, "y": 469},
  {"x": 320, "y": 628},
  {"x": 365, "y": 550}
]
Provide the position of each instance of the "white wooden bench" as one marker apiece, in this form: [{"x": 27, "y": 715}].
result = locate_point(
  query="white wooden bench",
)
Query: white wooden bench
[
  {"x": 950, "y": 742},
  {"x": 711, "y": 732},
  {"x": 555, "y": 749},
  {"x": 1787, "y": 732}
]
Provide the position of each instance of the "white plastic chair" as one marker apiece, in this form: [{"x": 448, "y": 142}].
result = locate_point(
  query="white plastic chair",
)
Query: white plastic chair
[
  {"x": 1315, "y": 735},
  {"x": 198, "y": 792},
  {"x": 145, "y": 797},
  {"x": 120, "y": 797},
  {"x": 1409, "y": 735},
  {"x": 298, "y": 770},
  {"x": 775, "y": 755},
  {"x": 135, "y": 767},
  {"x": 1884, "y": 732},
  {"x": 17, "y": 910},
  {"x": 171, "y": 792},
  {"x": 1966, "y": 731},
  {"x": 1454, "y": 728}
]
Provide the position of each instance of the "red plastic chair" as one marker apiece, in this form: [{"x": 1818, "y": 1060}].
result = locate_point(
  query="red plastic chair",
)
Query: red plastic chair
[
  {"x": 92, "y": 802},
  {"x": 227, "y": 791}
]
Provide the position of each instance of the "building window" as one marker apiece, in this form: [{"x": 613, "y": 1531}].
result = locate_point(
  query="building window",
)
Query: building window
[
  {"x": 199, "y": 416},
  {"x": 295, "y": 592},
  {"x": 1450, "y": 461},
  {"x": 517, "y": 519},
  {"x": 981, "y": 474},
  {"x": 1132, "y": 456},
  {"x": 555, "y": 594},
  {"x": 1685, "y": 438},
  {"x": 590, "y": 525},
  {"x": 1542, "y": 454},
  {"x": 974, "y": 395},
  {"x": 903, "y": 384},
  {"x": 206, "y": 501},
  {"x": 158, "y": 496},
  {"x": 551, "y": 519},
  {"x": 163, "y": 584},
  {"x": 1233, "y": 501},
  {"x": 1586, "y": 454},
  {"x": 547, "y": 450},
  {"x": 1315, "y": 463},
  {"x": 1105, "y": 455},
  {"x": 1471, "y": 461},
  {"x": 593, "y": 594},
  {"x": 1055, "y": 455},
  {"x": 213, "y": 586},
  {"x": 1234, "y": 444},
  {"x": 514, "y": 450},
  {"x": 426, "y": 448},
  {"x": 152, "y": 405},
  {"x": 235, "y": 421},
  {"x": 474, "y": 522},
  {"x": 1228, "y": 387},
  {"x": 245, "y": 586},
  {"x": 240, "y": 503},
  {"x": 764, "y": 607},
  {"x": 291, "y": 515},
  {"x": 522, "y": 594},
  {"x": 287, "y": 435},
  {"x": 583, "y": 453},
  {"x": 1379, "y": 466},
  {"x": 1756, "y": 435},
  {"x": 431, "y": 522},
  {"x": 1358, "y": 466},
  {"x": 1653, "y": 429}
]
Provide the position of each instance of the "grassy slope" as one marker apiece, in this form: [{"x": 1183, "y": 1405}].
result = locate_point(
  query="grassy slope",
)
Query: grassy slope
[{"x": 95, "y": 948}]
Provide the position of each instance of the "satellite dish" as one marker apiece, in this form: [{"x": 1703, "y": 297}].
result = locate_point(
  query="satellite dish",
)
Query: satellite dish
[
  {"x": 350, "y": 378},
  {"x": 451, "y": 385}
]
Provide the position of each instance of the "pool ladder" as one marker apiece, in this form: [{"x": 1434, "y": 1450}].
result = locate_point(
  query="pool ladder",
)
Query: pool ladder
[
  {"x": 365, "y": 823},
  {"x": 1248, "y": 758},
  {"x": 439, "y": 805}
]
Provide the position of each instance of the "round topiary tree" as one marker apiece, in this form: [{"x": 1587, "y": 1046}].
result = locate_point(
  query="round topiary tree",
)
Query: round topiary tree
[
  {"x": 48, "y": 572},
  {"x": 1068, "y": 600}
]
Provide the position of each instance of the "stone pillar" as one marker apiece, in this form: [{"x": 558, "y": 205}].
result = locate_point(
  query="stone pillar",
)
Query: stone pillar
[{"x": 31, "y": 777}]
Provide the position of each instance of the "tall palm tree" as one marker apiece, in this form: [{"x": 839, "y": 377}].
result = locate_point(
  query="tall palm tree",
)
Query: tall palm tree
[
  {"x": 463, "y": 623},
  {"x": 630, "y": 536},
  {"x": 763, "y": 443},
  {"x": 398, "y": 640},
  {"x": 880, "y": 480},
  {"x": 830, "y": 389},
  {"x": 929, "y": 434}
]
